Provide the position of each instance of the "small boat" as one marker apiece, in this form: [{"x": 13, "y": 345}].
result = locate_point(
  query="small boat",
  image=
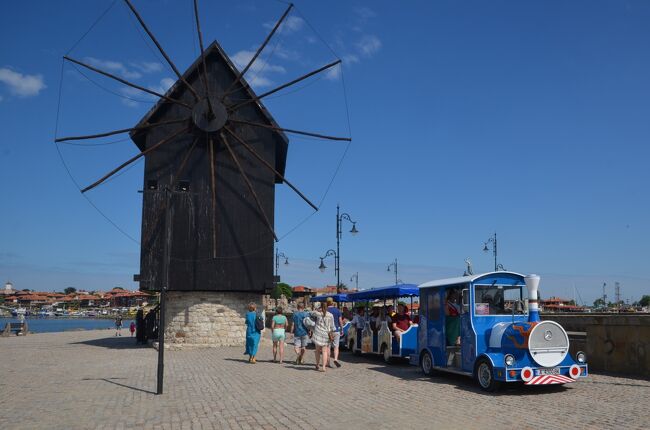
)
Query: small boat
[
  {"x": 91, "y": 314},
  {"x": 19, "y": 311}
]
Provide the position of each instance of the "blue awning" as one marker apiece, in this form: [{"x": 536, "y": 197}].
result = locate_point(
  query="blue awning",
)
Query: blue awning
[
  {"x": 402, "y": 290},
  {"x": 336, "y": 297}
]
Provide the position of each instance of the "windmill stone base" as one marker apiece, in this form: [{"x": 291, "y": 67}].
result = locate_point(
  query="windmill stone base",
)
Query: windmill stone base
[{"x": 207, "y": 318}]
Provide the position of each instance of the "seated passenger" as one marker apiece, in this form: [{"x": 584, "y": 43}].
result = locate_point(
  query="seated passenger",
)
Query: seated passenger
[
  {"x": 375, "y": 319},
  {"x": 359, "y": 320},
  {"x": 345, "y": 313},
  {"x": 452, "y": 318},
  {"x": 390, "y": 314},
  {"x": 400, "y": 321}
]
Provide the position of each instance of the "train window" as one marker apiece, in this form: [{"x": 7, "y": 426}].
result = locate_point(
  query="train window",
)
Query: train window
[
  {"x": 433, "y": 305},
  {"x": 498, "y": 300}
]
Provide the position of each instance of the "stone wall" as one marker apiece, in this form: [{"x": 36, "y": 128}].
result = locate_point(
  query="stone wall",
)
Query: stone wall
[
  {"x": 207, "y": 318},
  {"x": 617, "y": 343}
]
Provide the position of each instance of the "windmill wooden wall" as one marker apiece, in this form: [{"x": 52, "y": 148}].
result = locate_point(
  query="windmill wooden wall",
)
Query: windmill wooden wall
[{"x": 244, "y": 243}]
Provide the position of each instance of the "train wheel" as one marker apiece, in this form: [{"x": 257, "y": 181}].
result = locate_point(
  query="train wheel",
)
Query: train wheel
[
  {"x": 426, "y": 363},
  {"x": 485, "y": 375},
  {"x": 385, "y": 352}
]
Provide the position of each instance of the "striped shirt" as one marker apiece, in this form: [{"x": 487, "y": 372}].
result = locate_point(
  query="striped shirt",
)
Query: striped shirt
[{"x": 324, "y": 326}]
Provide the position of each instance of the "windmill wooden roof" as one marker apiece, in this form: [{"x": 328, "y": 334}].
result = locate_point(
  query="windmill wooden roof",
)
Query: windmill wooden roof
[{"x": 214, "y": 52}]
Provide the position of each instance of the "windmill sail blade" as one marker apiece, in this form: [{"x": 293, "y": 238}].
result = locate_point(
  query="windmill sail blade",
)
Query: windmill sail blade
[
  {"x": 266, "y": 163},
  {"x": 258, "y": 52},
  {"x": 125, "y": 82},
  {"x": 162, "y": 51},
  {"x": 248, "y": 183},
  {"x": 213, "y": 188},
  {"x": 132, "y": 159},
  {"x": 288, "y": 130},
  {"x": 124, "y": 130},
  {"x": 205, "y": 67},
  {"x": 288, "y": 84}
]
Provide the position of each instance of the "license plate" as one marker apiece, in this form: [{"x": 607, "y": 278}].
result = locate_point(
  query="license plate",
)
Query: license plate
[{"x": 554, "y": 371}]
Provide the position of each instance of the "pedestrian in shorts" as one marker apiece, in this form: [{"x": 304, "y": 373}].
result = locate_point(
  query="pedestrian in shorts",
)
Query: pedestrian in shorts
[
  {"x": 338, "y": 325},
  {"x": 300, "y": 334}
]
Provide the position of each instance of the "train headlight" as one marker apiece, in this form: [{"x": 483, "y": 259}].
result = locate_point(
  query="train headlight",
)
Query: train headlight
[
  {"x": 581, "y": 357},
  {"x": 509, "y": 359}
]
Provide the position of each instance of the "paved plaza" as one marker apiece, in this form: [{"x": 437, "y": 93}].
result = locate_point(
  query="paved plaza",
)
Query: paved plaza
[{"x": 90, "y": 379}]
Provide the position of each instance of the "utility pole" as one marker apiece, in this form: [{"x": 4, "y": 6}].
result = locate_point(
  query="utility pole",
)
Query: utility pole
[
  {"x": 163, "y": 289},
  {"x": 394, "y": 266},
  {"x": 617, "y": 294}
]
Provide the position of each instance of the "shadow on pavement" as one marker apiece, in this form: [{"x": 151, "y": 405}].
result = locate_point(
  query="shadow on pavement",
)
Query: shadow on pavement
[
  {"x": 403, "y": 370},
  {"x": 112, "y": 342},
  {"x": 112, "y": 381}
]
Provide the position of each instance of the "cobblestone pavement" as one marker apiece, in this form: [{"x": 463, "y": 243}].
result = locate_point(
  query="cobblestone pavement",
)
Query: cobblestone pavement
[{"x": 92, "y": 380}]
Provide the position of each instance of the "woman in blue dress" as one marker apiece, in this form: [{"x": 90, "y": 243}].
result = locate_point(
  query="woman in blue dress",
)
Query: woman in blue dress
[{"x": 252, "y": 335}]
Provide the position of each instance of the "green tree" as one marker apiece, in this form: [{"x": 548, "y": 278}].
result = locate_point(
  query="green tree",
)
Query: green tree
[
  {"x": 281, "y": 289},
  {"x": 70, "y": 290},
  {"x": 645, "y": 301},
  {"x": 599, "y": 303},
  {"x": 343, "y": 287}
]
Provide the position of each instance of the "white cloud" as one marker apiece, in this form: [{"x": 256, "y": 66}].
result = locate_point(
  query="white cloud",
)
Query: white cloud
[
  {"x": 368, "y": 45},
  {"x": 136, "y": 96},
  {"x": 165, "y": 84},
  {"x": 242, "y": 58},
  {"x": 114, "y": 67},
  {"x": 135, "y": 71},
  {"x": 22, "y": 85},
  {"x": 350, "y": 59},
  {"x": 333, "y": 73},
  {"x": 365, "y": 13},
  {"x": 291, "y": 24},
  {"x": 257, "y": 74},
  {"x": 147, "y": 67}
]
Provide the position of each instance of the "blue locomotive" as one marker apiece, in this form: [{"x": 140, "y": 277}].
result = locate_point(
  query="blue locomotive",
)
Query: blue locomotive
[{"x": 477, "y": 326}]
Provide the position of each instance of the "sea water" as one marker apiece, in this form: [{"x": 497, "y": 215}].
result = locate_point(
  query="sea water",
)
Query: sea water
[{"x": 54, "y": 324}]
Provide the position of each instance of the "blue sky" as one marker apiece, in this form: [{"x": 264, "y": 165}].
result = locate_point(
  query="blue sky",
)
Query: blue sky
[{"x": 525, "y": 118}]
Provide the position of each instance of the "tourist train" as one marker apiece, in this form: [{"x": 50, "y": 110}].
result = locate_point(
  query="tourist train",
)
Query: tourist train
[
  {"x": 482, "y": 326},
  {"x": 377, "y": 338}
]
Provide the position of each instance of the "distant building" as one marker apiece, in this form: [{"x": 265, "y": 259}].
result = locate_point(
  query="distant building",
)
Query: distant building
[
  {"x": 557, "y": 304},
  {"x": 8, "y": 289}
]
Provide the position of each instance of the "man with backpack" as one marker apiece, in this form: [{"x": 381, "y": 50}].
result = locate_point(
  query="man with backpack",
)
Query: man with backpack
[{"x": 300, "y": 335}]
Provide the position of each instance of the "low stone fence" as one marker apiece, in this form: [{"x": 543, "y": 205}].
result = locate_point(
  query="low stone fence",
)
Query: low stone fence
[{"x": 617, "y": 343}]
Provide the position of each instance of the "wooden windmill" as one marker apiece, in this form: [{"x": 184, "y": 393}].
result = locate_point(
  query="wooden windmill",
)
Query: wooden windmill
[{"x": 213, "y": 155}]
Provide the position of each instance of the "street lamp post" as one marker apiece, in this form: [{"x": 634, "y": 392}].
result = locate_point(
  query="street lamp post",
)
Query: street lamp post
[
  {"x": 493, "y": 243},
  {"x": 394, "y": 266},
  {"x": 322, "y": 267},
  {"x": 279, "y": 255},
  {"x": 339, "y": 233},
  {"x": 355, "y": 278}
]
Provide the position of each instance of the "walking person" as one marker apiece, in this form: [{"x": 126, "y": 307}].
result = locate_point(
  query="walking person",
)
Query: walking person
[
  {"x": 140, "y": 331},
  {"x": 132, "y": 328},
  {"x": 252, "y": 333},
  {"x": 323, "y": 334},
  {"x": 278, "y": 325},
  {"x": 300, "y": 335},
  {"x": 118, "y": 325},
  {"x": 338, "y": 325}
]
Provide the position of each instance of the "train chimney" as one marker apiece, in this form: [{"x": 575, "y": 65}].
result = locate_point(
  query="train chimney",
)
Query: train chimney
[{"x": 532, "y": 284}]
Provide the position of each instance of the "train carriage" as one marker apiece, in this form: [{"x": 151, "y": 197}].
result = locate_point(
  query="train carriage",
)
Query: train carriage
[
  {"x": 381, "y": 340},
  {"x": 488, "y": 335}
]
